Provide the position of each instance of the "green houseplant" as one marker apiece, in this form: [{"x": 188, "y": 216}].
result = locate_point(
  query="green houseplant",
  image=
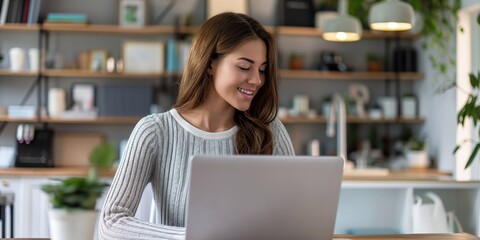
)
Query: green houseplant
[
  {"x": 471, "y": 111},
  {"x": 73, "y": 199},
  {"x": 416, "y": 153}
]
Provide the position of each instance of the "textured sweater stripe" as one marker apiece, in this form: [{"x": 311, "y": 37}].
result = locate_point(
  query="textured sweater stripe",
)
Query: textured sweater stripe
[{"x": 158, "y": 152}]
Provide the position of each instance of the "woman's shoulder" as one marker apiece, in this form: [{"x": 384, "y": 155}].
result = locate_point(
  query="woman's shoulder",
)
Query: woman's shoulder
[
  {"x": 155, "y": 121},
  {"x": 276, "y": 125}
]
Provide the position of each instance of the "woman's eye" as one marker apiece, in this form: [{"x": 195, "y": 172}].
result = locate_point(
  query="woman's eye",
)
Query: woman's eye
[
  {"x": 262, "y": 71},
  {"x": 244, "y": 68}
]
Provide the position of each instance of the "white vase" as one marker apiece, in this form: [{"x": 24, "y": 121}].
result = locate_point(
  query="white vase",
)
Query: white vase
[
  {"x": 72, "y": 224},
  {"x": 417, "y": 159}
]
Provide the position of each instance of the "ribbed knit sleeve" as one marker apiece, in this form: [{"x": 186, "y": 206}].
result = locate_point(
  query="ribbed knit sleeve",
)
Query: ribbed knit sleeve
[
  {"x": 282, "y": 144},
  {"x": 135, "y": 171}
]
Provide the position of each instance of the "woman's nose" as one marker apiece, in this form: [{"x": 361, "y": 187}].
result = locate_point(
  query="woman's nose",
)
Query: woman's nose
[{"x": 256, "y": 78}]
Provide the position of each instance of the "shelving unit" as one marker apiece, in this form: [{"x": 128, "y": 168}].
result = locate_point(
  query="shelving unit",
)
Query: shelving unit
[
  {"x": 152, "y": 30},
  {"x": 98, "y": 120},
  {"x": 91, "y": 74},
  {"x": 325, "y": 75},
  {"x": 350, "y": 119},
  {"x": 6, "y": 72},
  {"x": 170, "y": 30},
  {"x": 313, "y": 32}
]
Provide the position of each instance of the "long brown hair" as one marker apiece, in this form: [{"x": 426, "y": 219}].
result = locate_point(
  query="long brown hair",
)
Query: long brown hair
[{"x": 218, "y": 36}]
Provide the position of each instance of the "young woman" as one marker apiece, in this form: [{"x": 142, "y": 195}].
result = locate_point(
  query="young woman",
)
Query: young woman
[{"x": 227, "y": 104}]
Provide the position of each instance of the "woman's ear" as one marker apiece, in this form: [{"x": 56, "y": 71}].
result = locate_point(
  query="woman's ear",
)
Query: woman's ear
[{"x": 211, "y": 67}]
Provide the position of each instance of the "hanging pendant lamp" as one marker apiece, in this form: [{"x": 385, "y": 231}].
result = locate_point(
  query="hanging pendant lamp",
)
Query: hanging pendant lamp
[
  {"x": 391, "y": 15},
  {"x": 343, "y": 28}
]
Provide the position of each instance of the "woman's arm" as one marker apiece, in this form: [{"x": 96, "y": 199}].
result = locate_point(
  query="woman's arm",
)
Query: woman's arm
[
  {"x": 282, "y": 144},
  {"x": 134, "y": 173}
]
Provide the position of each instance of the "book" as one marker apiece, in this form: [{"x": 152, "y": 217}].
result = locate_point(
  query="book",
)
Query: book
[
  {"x": 33, "y": 11},
  {"x": 67, "y": 17},
  {"x": 26, "y": 5},
  {"x": 3, "y": 13}
]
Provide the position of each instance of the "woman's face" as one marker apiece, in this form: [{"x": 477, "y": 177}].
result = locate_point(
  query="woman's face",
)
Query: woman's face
[{"x": 239, "y": 75}]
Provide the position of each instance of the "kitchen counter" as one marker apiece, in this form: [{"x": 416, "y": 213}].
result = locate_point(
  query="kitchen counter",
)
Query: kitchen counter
[
  {"x": 50, "y": 172},
  {"x": 456, "y": 236},
  {"x": 408, "y": 175}
]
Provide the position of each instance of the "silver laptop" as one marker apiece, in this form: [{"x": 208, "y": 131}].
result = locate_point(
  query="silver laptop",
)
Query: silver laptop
[{"x": 263, "y": 197}]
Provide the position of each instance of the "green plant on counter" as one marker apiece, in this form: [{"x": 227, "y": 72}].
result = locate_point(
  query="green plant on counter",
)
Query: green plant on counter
[
  {"x": 415, "y": 144},
  {"x": 82, "y": 192},
  {"x": 471, "y": 111}
]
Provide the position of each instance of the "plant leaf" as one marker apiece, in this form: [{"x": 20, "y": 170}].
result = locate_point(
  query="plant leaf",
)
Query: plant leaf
[
  {"x": 456, "y": 148},
  {"x": 478, "y": 18},
  {"x": 473, "y": 80},
  {"x": 472, "y": 156}
]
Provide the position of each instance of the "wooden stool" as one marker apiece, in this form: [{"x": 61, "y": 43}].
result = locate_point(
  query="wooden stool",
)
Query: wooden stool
[{"x": 6, "y": 199}]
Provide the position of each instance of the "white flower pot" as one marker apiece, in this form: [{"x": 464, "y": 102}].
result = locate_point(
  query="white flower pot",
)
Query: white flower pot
[
  {"x": 417, "y": 159},
  {"x": 72, "y": 224}
]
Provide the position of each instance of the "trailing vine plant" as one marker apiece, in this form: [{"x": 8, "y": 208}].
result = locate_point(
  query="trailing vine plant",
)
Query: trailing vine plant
[{"x": 439, "y": 29}]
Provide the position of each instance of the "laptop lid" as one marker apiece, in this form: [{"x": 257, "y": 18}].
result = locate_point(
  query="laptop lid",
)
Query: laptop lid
[{"x": 262, "y": 197}]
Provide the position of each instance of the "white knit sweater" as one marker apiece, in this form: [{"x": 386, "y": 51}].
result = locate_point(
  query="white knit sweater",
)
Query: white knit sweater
[{"x": 157, "y": 152}]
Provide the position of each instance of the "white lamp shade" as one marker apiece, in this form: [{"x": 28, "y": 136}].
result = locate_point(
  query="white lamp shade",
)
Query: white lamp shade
[
  {"x": 391, "y": 15},
  {"x": 342, "y": 28}
]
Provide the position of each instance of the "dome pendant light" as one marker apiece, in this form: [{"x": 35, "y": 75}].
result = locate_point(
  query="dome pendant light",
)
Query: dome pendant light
[
  {"x": 343, "y": 28},
  {"x": 391, "y": 15}
]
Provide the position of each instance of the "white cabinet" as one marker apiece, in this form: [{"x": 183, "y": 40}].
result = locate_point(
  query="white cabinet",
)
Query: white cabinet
[{"x": 379, "y": 206}]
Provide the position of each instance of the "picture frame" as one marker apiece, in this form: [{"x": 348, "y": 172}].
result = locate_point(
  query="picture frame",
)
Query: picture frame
[
  {"x": 98, "y": 60},
  {"x": 83, "y": 96},
  {"x": 147, "y": 57},
  {"x": 131, "y": 13},
  {"x": 215, "y": 7}
]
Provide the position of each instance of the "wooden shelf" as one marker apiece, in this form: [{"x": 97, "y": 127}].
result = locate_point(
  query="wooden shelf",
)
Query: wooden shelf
[
  {"x": 4, "y": 118},
  {"x": 98, "y": 120},
  {"x": 7, "y": 72},
  {"x": 19, "y": 27},
  {"x": 91, "y": 74},
  {"x": 159, "y": 29},
  {"x": 115, "y": 29},
  {"x": 325, "y": 75},
  {"x": 322, "y": 119},
  {"x": 314, "y": 32}
]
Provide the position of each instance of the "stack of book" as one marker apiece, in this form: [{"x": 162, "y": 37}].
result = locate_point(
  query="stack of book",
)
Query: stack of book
[
  {"x": 19, "y": 11},
  {"x": 71, "y": 19}
]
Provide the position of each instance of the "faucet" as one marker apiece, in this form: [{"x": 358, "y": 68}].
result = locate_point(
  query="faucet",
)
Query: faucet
[{"x": 338, "y": 113}]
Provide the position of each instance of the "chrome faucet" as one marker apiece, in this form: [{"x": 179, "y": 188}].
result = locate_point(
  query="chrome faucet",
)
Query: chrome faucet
[{"x": 338, "y": 113}]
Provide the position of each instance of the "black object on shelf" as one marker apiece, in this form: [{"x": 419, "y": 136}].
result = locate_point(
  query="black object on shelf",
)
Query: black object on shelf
[
  {"x": 38, "y": 152},
  {"x": 405, "y": 59},
  {"x": 297, "y": 13},
  {"x": 331, "y": 61}
]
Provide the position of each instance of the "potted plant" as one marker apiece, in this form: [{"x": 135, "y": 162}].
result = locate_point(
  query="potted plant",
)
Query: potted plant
[
  {"x": 73, "y": 215},
  {"x": 416, "y": 153},
  {"x": 374, "y": 63}
]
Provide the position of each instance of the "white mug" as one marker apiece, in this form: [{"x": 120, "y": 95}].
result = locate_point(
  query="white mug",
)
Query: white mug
[
  {"x": 56, "y": 102},
  {"x": 17, "y": 59},
  {"x": 33, "y": 57}
]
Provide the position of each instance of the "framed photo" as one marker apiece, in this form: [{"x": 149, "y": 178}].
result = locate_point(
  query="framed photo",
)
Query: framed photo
[
  {"x": 215, "y": 7},
  {"x": 144, "y": 57},
  {"x": 131, "y": 13},
  {"x": 83, "y": 96},
  {"x": 98, "y": 60}
]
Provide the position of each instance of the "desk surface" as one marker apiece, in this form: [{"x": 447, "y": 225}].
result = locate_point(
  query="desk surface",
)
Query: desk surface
[{"x": 455, "y": 236}]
